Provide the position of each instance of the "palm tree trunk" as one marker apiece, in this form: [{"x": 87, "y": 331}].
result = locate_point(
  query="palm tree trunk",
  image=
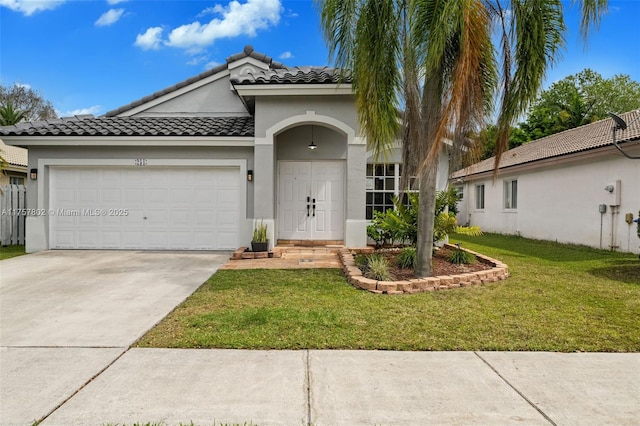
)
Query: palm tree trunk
[{"x": 426, "y": 221}]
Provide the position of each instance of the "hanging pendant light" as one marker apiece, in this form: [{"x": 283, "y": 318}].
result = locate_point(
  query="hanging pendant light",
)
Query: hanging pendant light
[{"x": 312, "y": 145}]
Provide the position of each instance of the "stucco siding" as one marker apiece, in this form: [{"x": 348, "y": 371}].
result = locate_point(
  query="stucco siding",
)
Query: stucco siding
[
  {"x": 560, "y": 203},
  {"x": 213, "y": 99},
  {"x": 274, "y": 109}
]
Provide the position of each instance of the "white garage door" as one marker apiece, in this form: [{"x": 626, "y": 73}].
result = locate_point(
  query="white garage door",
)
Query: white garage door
[{"x": 168, "y": 208}]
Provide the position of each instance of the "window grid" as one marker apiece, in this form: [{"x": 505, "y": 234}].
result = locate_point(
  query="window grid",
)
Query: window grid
[{"x": 383, "y": 183}]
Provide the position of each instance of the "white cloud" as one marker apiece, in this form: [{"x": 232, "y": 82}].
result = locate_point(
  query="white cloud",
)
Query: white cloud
[
  {"x": 198, "y": 60},
  {"x": 109, "y": 17},
  {"x": 29, "y": 7},
  {"x": 235, "y": 19},
  {"x": 286, "y": 55},
  {"x": 150, "y": 40},
  {"x": 211, "y": 64},
  {"x": 112, "y": 2},
  {"x": 95, "y": 109},
  {"x": 24, "y": 85}
]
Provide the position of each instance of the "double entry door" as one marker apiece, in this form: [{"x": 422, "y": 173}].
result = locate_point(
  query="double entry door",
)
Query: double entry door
[{"x": 311, "y": 200}]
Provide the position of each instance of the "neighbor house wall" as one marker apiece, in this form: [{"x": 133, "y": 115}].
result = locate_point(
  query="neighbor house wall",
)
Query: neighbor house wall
[{"x": 560, "y": 202}]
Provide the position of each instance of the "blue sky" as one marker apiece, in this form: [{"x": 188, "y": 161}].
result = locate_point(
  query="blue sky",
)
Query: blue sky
[{"x": 92, "y": 56}]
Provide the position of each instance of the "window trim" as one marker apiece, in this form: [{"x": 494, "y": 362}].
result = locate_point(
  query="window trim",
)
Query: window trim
[
  {"x": 510, "y": 194},
  {"x": 480, "y": 199}
]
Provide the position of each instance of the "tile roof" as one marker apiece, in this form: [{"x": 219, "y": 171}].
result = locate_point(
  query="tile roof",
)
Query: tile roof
[
  {"x": 88, "y": 125},
  {"x": 14, "y": 155},
  {"x": 296, "y": 75},
  {"x": 277, "y": 73},
  {"x": 583, "y": 138}
]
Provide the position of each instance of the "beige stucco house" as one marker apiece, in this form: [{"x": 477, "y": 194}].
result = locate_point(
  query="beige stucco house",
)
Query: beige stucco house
[{"x": 14, "y": 171}]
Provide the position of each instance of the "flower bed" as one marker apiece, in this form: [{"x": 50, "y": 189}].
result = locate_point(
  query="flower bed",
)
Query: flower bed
[{"x": 498, "y": 271}]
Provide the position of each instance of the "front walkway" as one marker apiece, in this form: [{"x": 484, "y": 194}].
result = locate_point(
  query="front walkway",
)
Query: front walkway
[{"x": 291, "y": 258}]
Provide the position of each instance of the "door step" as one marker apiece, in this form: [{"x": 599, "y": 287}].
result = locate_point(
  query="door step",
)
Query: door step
[{"x": 311, "y": 243}]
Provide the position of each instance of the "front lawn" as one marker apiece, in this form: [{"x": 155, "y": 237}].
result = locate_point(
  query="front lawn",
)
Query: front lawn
[
  {"x": 11, "y": 251},
  {"x": 558, "y": 298}
]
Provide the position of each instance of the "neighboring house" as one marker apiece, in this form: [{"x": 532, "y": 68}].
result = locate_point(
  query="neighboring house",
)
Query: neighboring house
[
  {"x": 14, "y": 171},
  {"x": 574, "y": 187},
  {"x": 193, "y": 166}
]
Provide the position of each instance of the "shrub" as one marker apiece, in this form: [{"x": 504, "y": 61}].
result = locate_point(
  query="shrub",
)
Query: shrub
[
  {"x": 407, "y": 258},
  {"x": 377, "y": 268},
  {"x": 460, "y": 256}
]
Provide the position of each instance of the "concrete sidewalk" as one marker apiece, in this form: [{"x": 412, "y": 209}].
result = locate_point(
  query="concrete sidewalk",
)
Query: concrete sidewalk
[{"x": 336, "y": 388}]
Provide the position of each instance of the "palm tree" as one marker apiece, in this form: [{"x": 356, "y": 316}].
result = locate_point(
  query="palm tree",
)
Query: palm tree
[
  {"x": 9, "y": 115},
  {"x": 437, "y": 62}
]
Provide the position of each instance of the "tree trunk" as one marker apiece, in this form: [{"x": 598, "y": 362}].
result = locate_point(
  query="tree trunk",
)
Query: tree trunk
[{"x": 426, "y": 221}]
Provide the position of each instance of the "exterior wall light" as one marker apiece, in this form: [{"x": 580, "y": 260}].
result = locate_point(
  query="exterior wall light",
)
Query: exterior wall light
[
  {"x": 250, "y": 175},
  {"x": 34, "y": 174}
]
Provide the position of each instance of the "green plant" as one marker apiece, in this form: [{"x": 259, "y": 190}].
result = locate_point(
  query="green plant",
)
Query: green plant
[
  {"x": 460, "y": 256},
  {"x": 407, "y": 258},
  {"x": 260, "y": 232},
  {"x": 377, "y": 268}
]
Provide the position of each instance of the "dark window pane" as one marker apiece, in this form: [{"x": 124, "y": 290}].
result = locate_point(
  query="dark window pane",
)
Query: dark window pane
[
  {"x": 380, "y": 170},
  {"x": 378, "y": 198},
  {"x": 389, "y": 170},
  {"x": 379, "y": 208},
  {"x": 369, "y": 197},
  {"x": 369, "y": 212},
  {"x": 400, "y": 170},
  {"x": 388, "y": 198},
  {"x": 389, "y": 184},
  {"x": 369, "y": 169},
  {"x": 379, "y": 184}
]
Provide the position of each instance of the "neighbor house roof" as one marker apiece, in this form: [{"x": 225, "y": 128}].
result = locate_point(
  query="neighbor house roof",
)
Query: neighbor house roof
[
  {"x": 88, "y": 125},
  {"x": 14, "y": 155},
  {"x": 580, "y": 139}
]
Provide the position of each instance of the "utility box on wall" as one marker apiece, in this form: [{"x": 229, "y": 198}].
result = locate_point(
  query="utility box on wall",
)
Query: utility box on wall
[{"x": 615, "y": 193}]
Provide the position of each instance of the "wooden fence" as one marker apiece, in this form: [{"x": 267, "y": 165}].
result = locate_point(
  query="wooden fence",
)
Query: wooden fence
[{"x": 13, "y": 204}]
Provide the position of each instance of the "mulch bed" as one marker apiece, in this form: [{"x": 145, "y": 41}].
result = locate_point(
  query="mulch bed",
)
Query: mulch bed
[{"x": 441, "y": 265}]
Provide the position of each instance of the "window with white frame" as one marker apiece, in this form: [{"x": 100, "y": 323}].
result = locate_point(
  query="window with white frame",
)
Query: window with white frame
[
  {"x": 460, "y": 192},
  {"x": 383, "y": 183},
  {"x": 480, "y": 197},
  {"x": 16, "y": 180},
  {"x": 511, "y": 194}
]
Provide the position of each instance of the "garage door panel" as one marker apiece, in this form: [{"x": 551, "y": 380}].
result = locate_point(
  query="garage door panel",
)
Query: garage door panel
[
  {"x": 88, "y": 239},
  {"x": 167, "y": 208},
  {"x": 156, "y": 196},
  {"x": 86, "y": 221}
]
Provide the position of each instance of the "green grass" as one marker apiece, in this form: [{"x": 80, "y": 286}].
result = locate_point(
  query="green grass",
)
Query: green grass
[
  {"x": 558, "y": 298},
  {"x": 11, "y": 251}
]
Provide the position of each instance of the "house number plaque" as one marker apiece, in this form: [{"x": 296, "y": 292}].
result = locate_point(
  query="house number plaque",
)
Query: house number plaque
[{"x": 140, "y": 162}]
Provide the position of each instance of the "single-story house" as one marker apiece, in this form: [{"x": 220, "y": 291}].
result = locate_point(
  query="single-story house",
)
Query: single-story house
[
  {"x": 574, "y": 187},
  {"x": 14, "y": 171},
  {"x": 194, "y": 166}
]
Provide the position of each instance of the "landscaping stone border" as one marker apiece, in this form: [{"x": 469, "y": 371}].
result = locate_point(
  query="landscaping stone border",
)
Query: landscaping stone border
[{"x": 498, "y": 272}]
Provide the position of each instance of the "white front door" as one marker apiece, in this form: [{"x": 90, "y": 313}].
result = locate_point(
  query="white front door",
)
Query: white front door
[{"x": 311, "y": 200}]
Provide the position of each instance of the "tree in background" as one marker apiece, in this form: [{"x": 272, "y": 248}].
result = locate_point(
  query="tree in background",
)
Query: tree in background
[
  {"x": 580, "y": 99},
  {"x": 436, "y": 62},
  {"x": 28, "y": 101},
  {"x": 574, "y": 101}
]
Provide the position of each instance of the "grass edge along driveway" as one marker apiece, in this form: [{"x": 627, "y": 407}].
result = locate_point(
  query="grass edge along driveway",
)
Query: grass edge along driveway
[{"x": 559, "y": 298}]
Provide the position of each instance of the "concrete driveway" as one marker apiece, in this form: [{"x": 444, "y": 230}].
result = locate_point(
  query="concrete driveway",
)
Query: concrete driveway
[{"x": 65, "y": 316}]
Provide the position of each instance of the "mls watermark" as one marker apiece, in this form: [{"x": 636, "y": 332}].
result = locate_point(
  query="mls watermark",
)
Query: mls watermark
[{"x": 65, "y": 212}]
